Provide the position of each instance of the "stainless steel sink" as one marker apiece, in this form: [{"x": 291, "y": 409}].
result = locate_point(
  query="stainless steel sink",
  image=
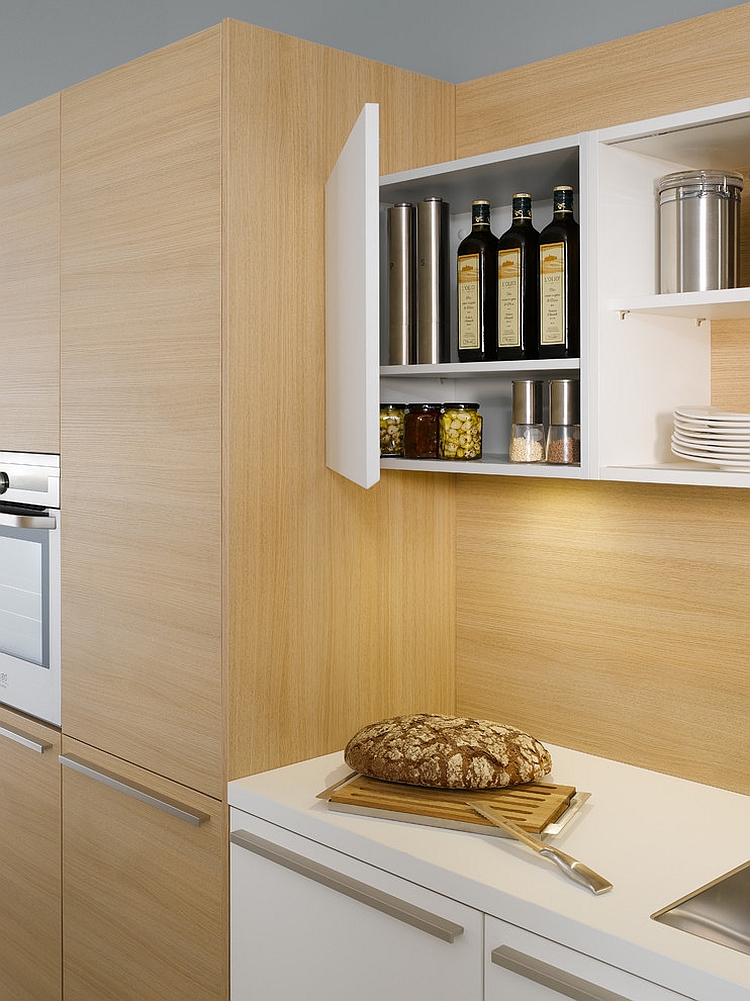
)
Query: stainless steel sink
[{"x": 719, "y": 911}]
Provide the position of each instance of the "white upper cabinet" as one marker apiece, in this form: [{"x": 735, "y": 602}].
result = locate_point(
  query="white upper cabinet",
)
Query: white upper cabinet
[
  {"x": 654, "y": 350},
  {"x": 642, "y": 353}
]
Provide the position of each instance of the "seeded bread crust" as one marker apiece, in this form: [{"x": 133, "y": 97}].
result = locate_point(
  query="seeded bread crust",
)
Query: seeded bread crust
[{"x": 447, "y": 752}]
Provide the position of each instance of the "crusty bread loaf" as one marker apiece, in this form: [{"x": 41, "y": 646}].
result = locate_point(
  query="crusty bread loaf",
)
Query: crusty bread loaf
[{"x": 447, "y": 752}]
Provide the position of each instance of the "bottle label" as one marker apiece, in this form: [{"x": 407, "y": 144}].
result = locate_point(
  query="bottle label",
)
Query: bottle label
[
  {"x": 552, "y": 293},
  {"x": 509, "y": 298},
  {"x": 468, "y": 301}
]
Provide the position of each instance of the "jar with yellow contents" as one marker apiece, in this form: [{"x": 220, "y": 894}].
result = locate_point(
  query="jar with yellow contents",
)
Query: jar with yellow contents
[
  {"x": 460, "y": 431},
  {"x": 392, "y": 428}
]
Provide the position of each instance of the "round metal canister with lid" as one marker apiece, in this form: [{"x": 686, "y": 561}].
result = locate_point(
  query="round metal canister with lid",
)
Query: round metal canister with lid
[{"x": 699, "y": 225}]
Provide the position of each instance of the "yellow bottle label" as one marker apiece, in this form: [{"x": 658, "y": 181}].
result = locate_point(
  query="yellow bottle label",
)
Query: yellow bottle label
[
  {"x": 552, "y": 293},
  {"x": 509, "y": 298},
  {"x": 468, "y": 301}
]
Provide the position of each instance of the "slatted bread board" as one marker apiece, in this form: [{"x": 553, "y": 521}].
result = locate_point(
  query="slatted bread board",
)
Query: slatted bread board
[{"x": 536, "y": 806}]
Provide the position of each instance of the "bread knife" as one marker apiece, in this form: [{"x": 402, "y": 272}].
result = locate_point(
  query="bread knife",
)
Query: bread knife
[{"x": 572, "y": 868}]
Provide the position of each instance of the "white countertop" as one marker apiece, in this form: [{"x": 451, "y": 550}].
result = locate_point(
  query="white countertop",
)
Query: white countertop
[{"x": 657, "y": 838}]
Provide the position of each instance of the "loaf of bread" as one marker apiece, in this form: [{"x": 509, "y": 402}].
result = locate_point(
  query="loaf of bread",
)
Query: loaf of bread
[{"x": 447, "y": 752}]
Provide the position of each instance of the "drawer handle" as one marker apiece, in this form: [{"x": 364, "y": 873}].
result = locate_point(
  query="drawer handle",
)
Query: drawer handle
[
  {"x": 24, "y": 738},
  {"x": 549, "y": 976},
  {"x": 433, "y": 924},
  {"x": 135, "y": 790}
]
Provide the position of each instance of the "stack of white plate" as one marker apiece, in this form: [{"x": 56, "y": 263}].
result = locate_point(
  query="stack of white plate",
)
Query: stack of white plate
[{"x": 712, "y": 436}]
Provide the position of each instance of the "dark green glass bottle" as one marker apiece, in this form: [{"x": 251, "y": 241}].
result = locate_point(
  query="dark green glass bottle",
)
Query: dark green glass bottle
[
  {"x": 477, "y": 288},
  {"x": 559, "y": 292},
  {"x": 518, "y": 286}
]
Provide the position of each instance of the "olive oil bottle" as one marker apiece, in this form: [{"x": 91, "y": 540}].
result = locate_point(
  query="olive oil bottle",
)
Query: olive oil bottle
[
  {"x": 518, "y": 286},
  {"x": 559, "y": 294},
  {"x": 477, "y": 288}
]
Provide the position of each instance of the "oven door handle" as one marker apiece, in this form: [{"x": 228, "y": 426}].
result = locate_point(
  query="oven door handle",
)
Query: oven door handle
[{"x": 43, "y": 522}]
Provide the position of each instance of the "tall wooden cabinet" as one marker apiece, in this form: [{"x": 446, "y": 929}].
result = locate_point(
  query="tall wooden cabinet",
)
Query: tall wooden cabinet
[
  {"x": 29, "y": 277},
  {"x": 30, "y": 930},
  {"x": 143, "y": 873},
  {"x": 223, "y": 592}
]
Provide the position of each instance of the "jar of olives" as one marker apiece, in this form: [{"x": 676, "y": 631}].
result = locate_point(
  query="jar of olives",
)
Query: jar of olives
[
  {"x": 460, "y": 431},
  {"x": 392, "y": 428}
]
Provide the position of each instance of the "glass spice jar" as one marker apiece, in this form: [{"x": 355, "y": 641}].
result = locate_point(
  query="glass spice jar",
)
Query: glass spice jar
[
  {"x": 392, "y": 428},
  {"x": 460, "y": 431},
  {"x": 421, "y": 430},
  {"x": 564, "y": 435},
  {"x": 527, "y": 429}
]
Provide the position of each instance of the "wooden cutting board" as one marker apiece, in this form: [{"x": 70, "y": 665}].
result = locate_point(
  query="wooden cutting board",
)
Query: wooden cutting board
[{"x": 531, "y": 806}]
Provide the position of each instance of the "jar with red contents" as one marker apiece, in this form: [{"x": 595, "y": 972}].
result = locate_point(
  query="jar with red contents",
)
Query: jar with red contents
[{"x": 421, "y": 427}]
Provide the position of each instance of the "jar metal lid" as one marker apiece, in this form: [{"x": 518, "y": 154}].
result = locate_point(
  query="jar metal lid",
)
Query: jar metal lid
[
  {"x": 527, "y": 401},
  {"x": 564, "y": 401},
  {"x": 423, "y": 406},
  {"x": 460, "y": 406},
  {"x": 695, "y": 182}
]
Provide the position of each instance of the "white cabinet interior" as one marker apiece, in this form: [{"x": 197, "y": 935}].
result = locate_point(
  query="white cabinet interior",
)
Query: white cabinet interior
[
  {"x": 497, "y": 177},
  {"x": 655, "y": 350},
  {"x": 642, "y": 353}
]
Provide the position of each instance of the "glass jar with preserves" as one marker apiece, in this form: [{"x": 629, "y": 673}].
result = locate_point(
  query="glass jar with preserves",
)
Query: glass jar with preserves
[
  {"x": 460, "y": 431},
  {"x": 392, "y": 428},
  {"x": 421, "y": 430}
]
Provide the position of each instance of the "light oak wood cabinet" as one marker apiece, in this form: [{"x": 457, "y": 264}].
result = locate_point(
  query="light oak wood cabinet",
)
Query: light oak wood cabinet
[
  {"x": 222, "y": 611},
  {"x": 30, "y": 885},
  {"x": 144, "y": 911},
  {"x": 210, "y": 560},
  {"x": 29, "y": 277}
]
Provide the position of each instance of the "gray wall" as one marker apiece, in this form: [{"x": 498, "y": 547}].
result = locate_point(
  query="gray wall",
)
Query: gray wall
[{"x": 47, "y": 45}]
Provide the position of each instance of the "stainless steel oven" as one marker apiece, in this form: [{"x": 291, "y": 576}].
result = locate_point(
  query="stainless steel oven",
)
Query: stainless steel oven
[{"x": 30, "y": 584}]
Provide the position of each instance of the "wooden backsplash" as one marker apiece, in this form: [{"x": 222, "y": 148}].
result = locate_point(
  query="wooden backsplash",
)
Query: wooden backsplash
[{"x": 613, "y": 618}]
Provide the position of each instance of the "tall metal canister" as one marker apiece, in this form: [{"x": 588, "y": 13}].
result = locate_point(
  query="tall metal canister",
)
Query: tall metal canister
[
  {"x": 699, "y": 226},
  {"x": 433, "y": 290},
  {"x": 402, "y": 301}
]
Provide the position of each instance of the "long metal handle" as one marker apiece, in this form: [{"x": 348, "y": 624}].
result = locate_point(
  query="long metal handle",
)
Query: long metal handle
[
  {"x": 549, "y": 976},
  {"x": 42, "y": 521},
  {"x": 24, "y": 738},
  {"x": 433, "y": 924},
  {"x": 139, "y": 792}
]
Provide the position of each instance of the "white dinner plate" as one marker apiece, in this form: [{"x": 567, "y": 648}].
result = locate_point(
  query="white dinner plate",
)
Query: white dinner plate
[
  {"x": 709, "y": 447},
  {"x": 726, "y": 463},
  {"x": 711, "y": 414},
  {"x": 722, "y": 430}
]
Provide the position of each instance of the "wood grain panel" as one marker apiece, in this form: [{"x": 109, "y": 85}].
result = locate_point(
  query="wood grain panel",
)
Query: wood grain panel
[
  {"x": 680, "y": 66},
  {"x": 612, "y": 617},
  {"x": 30, "y": 885},
  {"x": 145, "y": 904},
  {"x": 730, "y": 365},
  {"x": 141, "y": 412},
  {"x": 340, "y": 599},
  {"x": 30, "y": 278}
]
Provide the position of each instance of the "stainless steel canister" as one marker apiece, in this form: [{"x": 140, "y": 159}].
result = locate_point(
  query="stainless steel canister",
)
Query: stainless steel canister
[
  {"x": 402, "y": 302},
  {"x": 433, "y": 290},
  {"x": 699, "y": 224}
]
